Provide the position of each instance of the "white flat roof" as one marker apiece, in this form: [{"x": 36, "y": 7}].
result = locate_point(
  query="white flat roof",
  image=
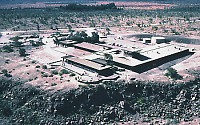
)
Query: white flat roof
[
  {"x": 91, "y": 56},
  {"x": 126, "y": 60},
  {"x": 88, "y": 63},
  {"x": 154, "y": 53},
  {"x": 157, "y": 37}
]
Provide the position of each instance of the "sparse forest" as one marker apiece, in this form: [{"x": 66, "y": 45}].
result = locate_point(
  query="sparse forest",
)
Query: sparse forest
[{"x": 139, "y": 20}]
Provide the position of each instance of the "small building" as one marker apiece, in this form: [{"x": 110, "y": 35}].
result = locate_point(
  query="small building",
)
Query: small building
[
  {"x": 102, "y": 35},
  {"x": 146, "y": 40},
  {"x": 158, "y": 40}
]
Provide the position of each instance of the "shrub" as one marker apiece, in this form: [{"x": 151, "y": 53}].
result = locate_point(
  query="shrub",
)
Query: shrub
[
  {"x": 33, "y": 61},
  {"x": 63, "y": 71},
  {"x": 15, "y": 39},
  {"x": 6, "y": 111},
  {"x": 172, "y": 73},
  {"x": 17, "y": 44},
  {"x": 8, "y": 75},
  {"x": 44, "y": 67},
  {"x": 51, "y": 75},
  {"x": 22, "y": 52},
  {"x": 72, "y": 74},
  {"x": 53, "y": 84},
  {"x": 4, "y": 71},
  {"x": 7, "y": 48},
  {"x": 37, "y": 66},
  {"x": 55, "y": 72},
  {"x": 45, "y": 75}
]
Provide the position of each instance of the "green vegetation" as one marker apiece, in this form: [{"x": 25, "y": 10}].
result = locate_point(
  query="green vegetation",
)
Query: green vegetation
[
  {"x": 172, "y": 73},
  {"x": 33, "y": 61},
  {"x": 79, "y": 7},
  {"x": 83, "y": 37},
  {"x": 5, "y": 72},
  {"x": 15, "y": 39},
  {"x": 54, "y": 72},
  {"x": 44, "y": 67},
  {"x": 22, "y": 52},
  {"x": 54, "y": 18},
  {"x": 108, "y": 58},
  {"x": 7, "y": 48},
  {"x": 37, "y": 66},
  {"x": 44, "y": 75},
  {"x": 17, "y": 44},
  {"x": 79, "y": 37},
  {"x": 110, "y": 102},
  {"x": 72, "y": 74},
  {"x": 63, "y": 71},
  {"x": 53, "y": 84}
]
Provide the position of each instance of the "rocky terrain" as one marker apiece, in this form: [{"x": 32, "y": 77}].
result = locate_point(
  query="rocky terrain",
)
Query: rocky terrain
[{"x": 109, "y": 102}]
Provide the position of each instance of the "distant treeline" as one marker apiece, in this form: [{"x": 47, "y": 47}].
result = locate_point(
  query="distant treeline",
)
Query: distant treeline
[
  {"x": 80, "y": 7},
  {"x": 193, "y": 8}
]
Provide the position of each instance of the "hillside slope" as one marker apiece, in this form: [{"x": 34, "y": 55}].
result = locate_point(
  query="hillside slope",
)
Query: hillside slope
[{"x": 110, "y": 102}]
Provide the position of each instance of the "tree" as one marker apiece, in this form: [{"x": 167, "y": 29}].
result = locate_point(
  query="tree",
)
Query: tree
[
  {"x": 108, "y": 58},
  {"x": 38, "y": 27},
  {"x": 172, "y": 73},
  {"x": 8, "y": 48},
  {"x": 17, "y": 44},
  {"x": 108, "y": 30},
  {"x": 84, "y": 35},
  {"x": 56, "y": 27},
  {"x": 22, "y": 52},
  {"x": 150, "y": 20},
  {"x": 154, "y": 28},
  {"x": 95, "y": 37},
  {"x": 15, "y": 39},
  {"x": 69, "y": 28},
  {"x": 56, "y": 41},
  {"x": 6, "y": 73}
]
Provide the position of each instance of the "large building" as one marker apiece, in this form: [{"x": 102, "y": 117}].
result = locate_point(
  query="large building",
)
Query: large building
[
  {"x": 150, "y": 57},
  {"x": 88, "y": 65},
  {"x": 89, "y": 47},
  {"x": 137, "y": 60}
]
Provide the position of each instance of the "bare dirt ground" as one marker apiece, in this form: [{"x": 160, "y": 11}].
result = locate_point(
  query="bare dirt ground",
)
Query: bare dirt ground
[{"x": 24, "y": 68}]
